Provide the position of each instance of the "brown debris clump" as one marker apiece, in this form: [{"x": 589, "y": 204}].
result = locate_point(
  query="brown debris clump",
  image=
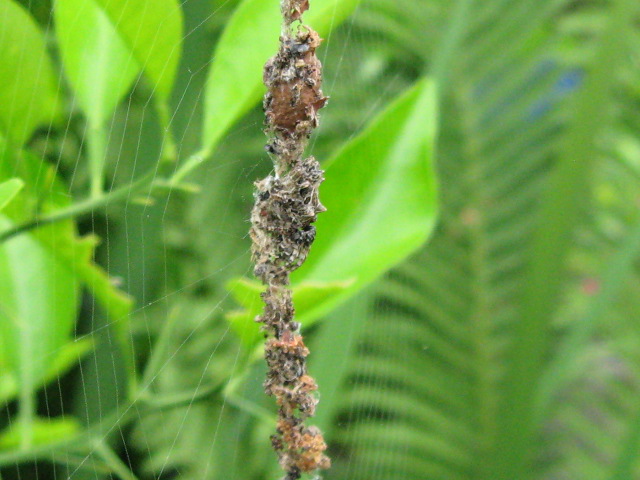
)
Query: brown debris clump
[{"x": 287, "y": 205}]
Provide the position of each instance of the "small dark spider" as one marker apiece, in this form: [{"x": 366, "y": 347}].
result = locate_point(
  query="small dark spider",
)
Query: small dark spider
[{"x": 294, "y": 474}]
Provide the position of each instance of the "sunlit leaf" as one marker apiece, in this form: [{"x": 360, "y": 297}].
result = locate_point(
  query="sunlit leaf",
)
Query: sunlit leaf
[
  {"x": 98, "y": 63},
  {"x": 65, "y": 359},
  {"x": 152, "y": 30},
  {"x": 28, "y": 90},
  {"x": 8, "y": 190},
  {"x": 46, "y": 430},
  {"x": 39, "y": 298},
  {"x": 44, "y": 193},
  {"x": 381, "y": 199},
  {"x": 380, "y": 194}
]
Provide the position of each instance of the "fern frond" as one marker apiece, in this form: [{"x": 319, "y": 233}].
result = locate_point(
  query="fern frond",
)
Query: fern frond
[{"x": 454, "y": 312}]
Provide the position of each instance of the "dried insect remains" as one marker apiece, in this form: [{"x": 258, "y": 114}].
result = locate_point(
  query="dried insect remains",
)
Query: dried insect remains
[{"x": 282, "y": 231}]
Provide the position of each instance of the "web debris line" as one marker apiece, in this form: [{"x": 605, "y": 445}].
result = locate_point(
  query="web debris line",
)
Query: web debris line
[{"x": 286, "y": 206}]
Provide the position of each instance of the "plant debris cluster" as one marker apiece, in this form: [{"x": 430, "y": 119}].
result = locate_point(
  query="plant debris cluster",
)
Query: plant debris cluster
[{"x": 287, "y": 205}]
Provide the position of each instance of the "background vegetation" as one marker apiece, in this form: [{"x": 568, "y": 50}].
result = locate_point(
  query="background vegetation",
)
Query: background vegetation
[{"x": 490, "y": 331}]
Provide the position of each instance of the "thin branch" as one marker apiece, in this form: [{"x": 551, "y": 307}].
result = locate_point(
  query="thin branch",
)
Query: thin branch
[
  {"x": 97, "y": 147},
  {"x": 83, "y": 207},
  {"x": 114, "y": 462}
]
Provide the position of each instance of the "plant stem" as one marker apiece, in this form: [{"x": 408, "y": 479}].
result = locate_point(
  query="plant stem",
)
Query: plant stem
[
  {"x": 84, "y": 442},
  {"x": 450, "y": 41},
  {"x": 98, "y": 199},
  {"x": 83, "y": 207},
  {"x": 114, "y": 462},
  {"x": 27, "y": 409},
  {"x": 159, "y": 403},
  {"x": 97, "y": 149},
  {"x": 169, "y": 150},
  {"x": 193, "y": 162}
]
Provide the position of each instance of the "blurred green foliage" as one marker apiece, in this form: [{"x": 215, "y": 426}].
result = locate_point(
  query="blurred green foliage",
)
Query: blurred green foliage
[{"x": 507, "y": 346}]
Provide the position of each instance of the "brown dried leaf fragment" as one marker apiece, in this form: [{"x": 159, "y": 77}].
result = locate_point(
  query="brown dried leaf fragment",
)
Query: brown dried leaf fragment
[{"x": 294, "y": 81}]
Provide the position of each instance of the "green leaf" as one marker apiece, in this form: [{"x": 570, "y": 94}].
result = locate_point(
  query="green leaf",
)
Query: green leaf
[
  {"x": 335, "y": 343},
  {"x": 46, "y": 431},
  {"x": 78, "y": 252},
  {"x": 8, "y": 190},
  {"x": 152, "y": 30},
  {"x": 380, "y": 194},
  {"x": 98, "y": 63},
  {"x": 44, "y": 193},
  {"x": 65, "y": 359},
  {"x": 28, "y": 90},
  {"x": 39, "y": 298},
  {"x": 234, "y": 84},
  {"x": 306, "y": 297}
]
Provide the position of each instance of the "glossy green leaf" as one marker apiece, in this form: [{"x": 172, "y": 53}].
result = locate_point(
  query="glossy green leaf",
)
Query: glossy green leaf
[
  {"x": 152, "y": 30},
  {"x": 44, "y": 193},
  {"x": 381, "y": 197},
  {"x": 28, "y": 90},
  {"x": 8, "y": 190},
  {"x": 46, "y": 430},
  {"x": 39, "y": 298},
  {"x": 98, "y": 63},
  {"x": 65, "y": 359},
  {"x": 306, "y": 297},
  {"x": 249, "y": 40}
]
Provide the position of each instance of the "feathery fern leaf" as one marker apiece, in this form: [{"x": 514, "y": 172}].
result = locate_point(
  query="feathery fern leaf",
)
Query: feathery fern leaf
[{"x": 432, "y": 379}]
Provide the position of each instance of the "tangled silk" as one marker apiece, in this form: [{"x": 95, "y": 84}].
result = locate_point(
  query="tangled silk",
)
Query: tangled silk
[{"x": 287, "y": 205}]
